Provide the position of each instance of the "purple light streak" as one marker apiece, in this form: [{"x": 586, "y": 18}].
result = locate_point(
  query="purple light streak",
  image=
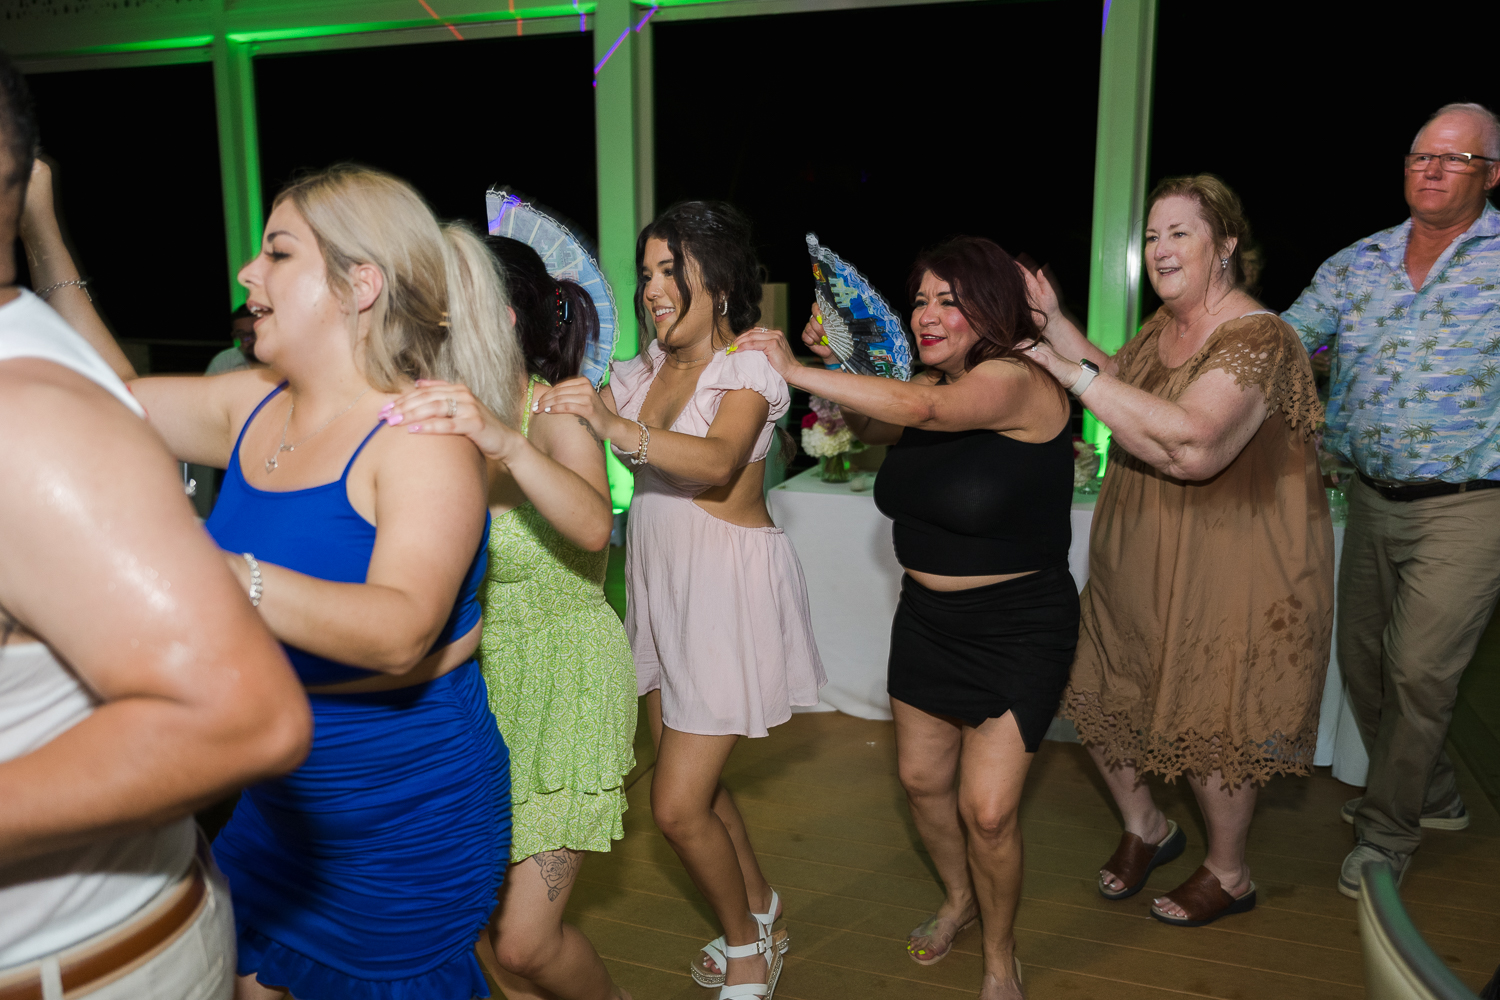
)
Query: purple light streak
[{"x": 623, "y": 35}]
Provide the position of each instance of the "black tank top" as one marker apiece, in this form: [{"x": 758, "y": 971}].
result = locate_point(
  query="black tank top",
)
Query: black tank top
[{"x": 976, "y": 503}]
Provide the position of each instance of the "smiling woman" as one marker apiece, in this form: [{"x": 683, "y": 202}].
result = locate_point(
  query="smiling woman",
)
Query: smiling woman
[
  {"x": 717, "y": 612},
  {"x": 1215, "y": 667},
  {"x": 978, "y": 482}
]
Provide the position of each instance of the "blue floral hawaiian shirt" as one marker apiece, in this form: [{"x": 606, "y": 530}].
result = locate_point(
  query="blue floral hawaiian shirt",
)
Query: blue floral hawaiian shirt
[{"x": 1415, "y": 384}]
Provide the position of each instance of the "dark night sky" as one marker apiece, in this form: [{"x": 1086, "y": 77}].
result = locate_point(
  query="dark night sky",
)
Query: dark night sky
[
  {"x": 1306, "y": 117},
  {"x": 888, "y": 130},
  {"x": 883, "y": 130}
]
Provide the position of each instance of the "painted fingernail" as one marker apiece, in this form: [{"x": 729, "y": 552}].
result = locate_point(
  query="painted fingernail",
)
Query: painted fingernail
[
  {"x": 548, "y": 410},
  {"x": 731, "y": 348},
  {"x": 414, "y": 428},
  {"x": 387, "y": 407},
  {"x": 394, "y": 418}
]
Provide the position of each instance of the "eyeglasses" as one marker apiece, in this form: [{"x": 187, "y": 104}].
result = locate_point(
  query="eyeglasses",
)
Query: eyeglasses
[{"x": 1453, "y": 163}]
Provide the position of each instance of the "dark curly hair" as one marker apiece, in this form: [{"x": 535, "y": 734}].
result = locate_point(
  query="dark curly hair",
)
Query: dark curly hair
[
  {"x": 717, "y": 239},
  {"x": 18, "y": 130},
  {"x": 555, "y": 319},
  {"x": 988, "y": 290}
]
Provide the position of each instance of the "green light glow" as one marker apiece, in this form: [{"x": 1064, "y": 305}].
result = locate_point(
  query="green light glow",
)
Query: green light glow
[
  {"x": 527, "y": 14},
  {"x": 621, "y": 482},
  {"x": 155, "y": 45},
  {"x": 1098, "y": 435}
]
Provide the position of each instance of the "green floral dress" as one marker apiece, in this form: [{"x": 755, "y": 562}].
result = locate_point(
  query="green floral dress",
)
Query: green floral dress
[{"x": 561, "y": 682}]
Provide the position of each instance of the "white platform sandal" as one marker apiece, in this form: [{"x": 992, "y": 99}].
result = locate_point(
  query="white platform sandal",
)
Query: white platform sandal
[
  {"x": 715, "y": 948},
  {"x": 762, "y": 991}
]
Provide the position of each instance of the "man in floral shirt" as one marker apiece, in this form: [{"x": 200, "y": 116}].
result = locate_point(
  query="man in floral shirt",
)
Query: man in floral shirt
[{"x": 1412, "y": 316}]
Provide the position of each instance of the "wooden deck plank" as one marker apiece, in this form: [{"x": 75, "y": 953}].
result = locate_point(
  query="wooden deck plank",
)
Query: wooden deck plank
[{"x": 829, "y": 820}]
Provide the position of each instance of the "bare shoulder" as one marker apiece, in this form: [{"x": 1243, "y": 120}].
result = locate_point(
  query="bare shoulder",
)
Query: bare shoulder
[
  {"x": 1007, "y": 371},
  {"x": 49, "y": 410},
  {"x": 424, "y": 461},
  {"x": 90, "y": 465},
  {"x": 242, "y": 390}
]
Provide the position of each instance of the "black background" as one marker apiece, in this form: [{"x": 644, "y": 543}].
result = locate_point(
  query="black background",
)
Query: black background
[
  {"x": 140, "y": 197},
  {"x": 451, "y": 118},
  {"x": 888, "y": 130}
]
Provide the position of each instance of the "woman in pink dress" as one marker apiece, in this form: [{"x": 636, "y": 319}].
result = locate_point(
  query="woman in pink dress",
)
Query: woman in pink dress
[{"x": 717, "y": 617}]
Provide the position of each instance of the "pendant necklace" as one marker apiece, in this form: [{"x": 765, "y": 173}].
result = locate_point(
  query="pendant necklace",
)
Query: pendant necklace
[{"x": 275, "y": 460}]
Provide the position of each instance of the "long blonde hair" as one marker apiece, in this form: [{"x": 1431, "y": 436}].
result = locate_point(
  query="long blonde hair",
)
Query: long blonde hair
[{"x": 442, "y": 312}]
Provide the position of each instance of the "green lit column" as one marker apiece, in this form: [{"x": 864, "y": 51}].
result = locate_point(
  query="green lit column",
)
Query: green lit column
[
  {"x": 1122, "y": 150},
  {"x": 615, "y": 139},
  {"x": 623, "y": 148},
  {"x": 239, "y": 156}
]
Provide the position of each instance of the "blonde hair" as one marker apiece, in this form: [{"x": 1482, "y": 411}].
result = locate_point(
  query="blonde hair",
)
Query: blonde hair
[
  {"x": 442, "y": 310},
  {"x": 1221, "y": 209}
]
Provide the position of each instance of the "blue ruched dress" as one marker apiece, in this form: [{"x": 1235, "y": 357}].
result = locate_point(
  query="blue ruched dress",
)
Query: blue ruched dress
[{"x": 369, "y": 872}]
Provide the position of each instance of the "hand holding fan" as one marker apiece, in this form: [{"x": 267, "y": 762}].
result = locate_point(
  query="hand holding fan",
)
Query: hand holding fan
[
  {"x": 866, "y": 336},
  {"x": 565, "y": 256}
]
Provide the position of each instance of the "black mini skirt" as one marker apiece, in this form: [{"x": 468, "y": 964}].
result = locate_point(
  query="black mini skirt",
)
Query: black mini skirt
[{"x": 977, "y": 654}]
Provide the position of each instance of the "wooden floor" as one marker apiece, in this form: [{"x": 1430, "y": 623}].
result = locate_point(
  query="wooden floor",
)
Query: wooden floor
[{"x": 830, "y": 825}]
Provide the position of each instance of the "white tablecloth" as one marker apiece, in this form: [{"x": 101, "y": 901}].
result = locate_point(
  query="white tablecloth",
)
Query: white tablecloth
[{"x": 853, "y": 582}]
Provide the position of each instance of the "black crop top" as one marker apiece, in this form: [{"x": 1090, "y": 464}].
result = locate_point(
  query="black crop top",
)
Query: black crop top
[{"x": 976, "y": 503}]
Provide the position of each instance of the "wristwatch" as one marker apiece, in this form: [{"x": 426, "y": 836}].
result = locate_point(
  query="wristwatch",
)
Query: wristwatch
[{"x": 1085, "y": 378}]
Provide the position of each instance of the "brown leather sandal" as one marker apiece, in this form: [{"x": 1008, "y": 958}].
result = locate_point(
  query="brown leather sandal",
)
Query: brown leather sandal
[
  {"x": 1134, "y": 861},
  {"x": 1204, "y": 900}
]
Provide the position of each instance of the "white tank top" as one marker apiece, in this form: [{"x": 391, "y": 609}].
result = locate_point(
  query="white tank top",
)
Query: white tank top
[{"x": 51, "y": 902}]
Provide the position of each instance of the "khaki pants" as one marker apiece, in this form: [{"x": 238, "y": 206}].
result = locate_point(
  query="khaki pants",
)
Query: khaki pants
[
  {"x": 1417, "y": 585},
  {"x": 197, "y": 963}
]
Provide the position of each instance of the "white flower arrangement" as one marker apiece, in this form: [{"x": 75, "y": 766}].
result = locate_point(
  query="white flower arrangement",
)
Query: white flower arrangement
[{"x": 822, "y": 443}]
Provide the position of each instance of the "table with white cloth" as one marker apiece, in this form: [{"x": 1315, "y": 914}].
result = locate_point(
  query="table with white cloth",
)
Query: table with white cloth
[{"x": 853, "y": 582}]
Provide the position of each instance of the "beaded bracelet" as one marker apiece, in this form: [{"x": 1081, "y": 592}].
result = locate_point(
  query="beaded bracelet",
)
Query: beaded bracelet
[
  {"x": 80, "y": 282},
  {"x": 639, "y": 457},
  {"x": 257, "y": 585}
]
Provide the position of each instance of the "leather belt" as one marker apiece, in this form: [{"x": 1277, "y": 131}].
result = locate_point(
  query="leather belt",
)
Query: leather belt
[
  {"x": 115, "y": 949},
  {"x": 1404, "y": 492}
]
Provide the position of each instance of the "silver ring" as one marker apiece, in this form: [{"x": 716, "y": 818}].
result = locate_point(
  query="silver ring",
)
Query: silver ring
[{"x": 452, "y": 407}]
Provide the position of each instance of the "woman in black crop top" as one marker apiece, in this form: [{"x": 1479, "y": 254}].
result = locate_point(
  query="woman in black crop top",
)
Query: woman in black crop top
[{"x": 979, "y": 484}]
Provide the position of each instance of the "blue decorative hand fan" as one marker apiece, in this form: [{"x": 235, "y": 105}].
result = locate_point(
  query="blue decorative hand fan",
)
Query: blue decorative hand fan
[
  {"x": 565, "y": 256},
  {"x": 865, "y": 335}
]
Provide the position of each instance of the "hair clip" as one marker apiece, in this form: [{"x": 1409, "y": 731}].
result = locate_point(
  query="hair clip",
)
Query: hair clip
[{"x": 444, "y": 321}]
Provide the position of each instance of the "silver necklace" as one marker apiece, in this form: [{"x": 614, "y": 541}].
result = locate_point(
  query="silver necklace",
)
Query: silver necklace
[{"x": 275, "y": 460}]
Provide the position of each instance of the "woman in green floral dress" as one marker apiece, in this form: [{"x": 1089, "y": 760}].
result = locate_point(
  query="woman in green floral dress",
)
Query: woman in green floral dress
[{"x": 554, "y": 654}]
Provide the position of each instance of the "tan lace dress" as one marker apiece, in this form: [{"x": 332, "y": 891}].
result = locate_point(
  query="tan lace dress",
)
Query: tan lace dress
[{"x": 1209, "y": 608}]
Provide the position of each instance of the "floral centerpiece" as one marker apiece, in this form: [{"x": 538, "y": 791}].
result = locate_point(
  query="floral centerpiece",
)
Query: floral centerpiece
[{"x": 826, "y": 437}]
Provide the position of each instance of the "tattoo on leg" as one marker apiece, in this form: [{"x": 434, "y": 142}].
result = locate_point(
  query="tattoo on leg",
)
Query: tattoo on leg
[{"x": 559, "y": 868}]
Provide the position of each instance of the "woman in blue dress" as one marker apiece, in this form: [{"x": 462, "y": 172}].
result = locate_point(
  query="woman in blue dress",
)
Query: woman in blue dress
[{"x": 369, "y": 872}]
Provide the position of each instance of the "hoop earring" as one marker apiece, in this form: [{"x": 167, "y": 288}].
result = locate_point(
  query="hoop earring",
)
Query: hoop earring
[{"x": 724, "y": 308}]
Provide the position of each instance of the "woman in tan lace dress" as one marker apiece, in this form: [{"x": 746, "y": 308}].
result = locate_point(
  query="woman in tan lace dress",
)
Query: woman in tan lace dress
[{"x": 1207, "y": 617}]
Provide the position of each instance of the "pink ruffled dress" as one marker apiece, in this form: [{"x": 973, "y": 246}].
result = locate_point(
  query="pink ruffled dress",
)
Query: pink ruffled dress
[{"x": 717, "y": 613}]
